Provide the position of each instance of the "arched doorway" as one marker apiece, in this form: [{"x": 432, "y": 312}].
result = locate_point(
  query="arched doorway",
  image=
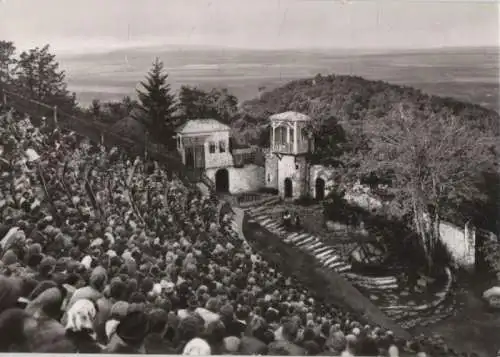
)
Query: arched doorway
[
  {"x": 288, "y": 188},
  {"x": 222, "y": 180},
  {"x": 320, "y": 188}
]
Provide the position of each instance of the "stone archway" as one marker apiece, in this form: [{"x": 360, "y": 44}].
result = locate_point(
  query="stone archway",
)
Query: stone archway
[
  {"x": 222, "y": 181},
  {"x": 320, "y": 189},
  {"x": 288, "y": 188}
]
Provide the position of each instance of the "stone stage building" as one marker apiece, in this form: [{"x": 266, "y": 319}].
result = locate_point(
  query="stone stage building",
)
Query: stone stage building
[{"x": 205, "y": 148}]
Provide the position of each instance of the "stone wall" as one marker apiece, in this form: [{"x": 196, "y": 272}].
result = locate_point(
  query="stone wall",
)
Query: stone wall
[
  {"x": 246, "y": 179},
  {"x": 271, "y": 180},
  {"x": 294, "y": 168},
  {"x": 325, "y": 173},
  {"x": 461, "y": 243}
]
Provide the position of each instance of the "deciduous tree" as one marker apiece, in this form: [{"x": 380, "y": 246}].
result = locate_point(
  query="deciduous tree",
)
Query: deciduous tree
[
  {"x": 432, "y": 160},
  {"x": 95, "y": 109},
  {"x": 218, "y": 104},
  {"x": 7, "y": 61},
  {"x": 38, "y": 77}
]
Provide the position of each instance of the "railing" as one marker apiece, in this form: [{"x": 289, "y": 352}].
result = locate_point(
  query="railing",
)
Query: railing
[
  {"x": 287, "y": 148},
  {"x": 249, "y": 197},
  {"x": 283, "y": 148},
  {"x": 244, "y": 156}
]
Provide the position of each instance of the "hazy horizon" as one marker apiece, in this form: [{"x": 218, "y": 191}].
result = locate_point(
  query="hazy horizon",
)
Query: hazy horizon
[
  {"x": 77, "y": 27},
  {"x": 469, "y": 74},
  {"x": 106, "y": 47}
]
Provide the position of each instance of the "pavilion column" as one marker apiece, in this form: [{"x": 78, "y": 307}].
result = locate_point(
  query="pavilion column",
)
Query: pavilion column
[
  {"x": 273, "y": 137},
  {"x": 295, "y": 136},
  {"x": 288, "y": 136}
]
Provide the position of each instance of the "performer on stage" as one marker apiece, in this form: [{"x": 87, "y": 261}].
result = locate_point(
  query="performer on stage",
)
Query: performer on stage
[{"x": 287, "y": 219}]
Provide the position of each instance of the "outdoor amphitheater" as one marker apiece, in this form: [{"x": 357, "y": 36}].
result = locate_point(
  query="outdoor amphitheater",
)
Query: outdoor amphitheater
[{"x": 114, "y": 248}]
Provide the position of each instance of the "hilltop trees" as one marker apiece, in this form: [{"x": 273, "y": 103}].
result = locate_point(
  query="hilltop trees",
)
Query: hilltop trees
[
  {"x": 95, "y": 109},
  {"x": 431, "y": 159},
  {"x": 7, "y": 61},
  {"x": 216, "y": 104},
  {"x": 38, "y": 77},
  {"x": 112, "y": 111},
  {"x": 157, "y": 104}
]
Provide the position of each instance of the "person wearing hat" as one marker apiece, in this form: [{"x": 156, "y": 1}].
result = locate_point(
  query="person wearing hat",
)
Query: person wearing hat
[
  {"x": 285, "y": 340},
  {"x": 93, "y": 291},
  {"x": 130, "y": 334},
  {"x": 155, "y": 343},
  {"x": 49, "y": 336},
  {"x": 117, "y": 290}
]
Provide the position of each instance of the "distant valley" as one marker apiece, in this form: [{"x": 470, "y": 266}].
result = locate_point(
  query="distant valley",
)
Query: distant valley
[{"x": 468, "y": 74}]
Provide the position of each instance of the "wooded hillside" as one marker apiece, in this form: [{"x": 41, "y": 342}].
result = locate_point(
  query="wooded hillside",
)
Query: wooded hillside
[
  {"x": 351, "y": 101},
  {"x": 424, "y": 145}
]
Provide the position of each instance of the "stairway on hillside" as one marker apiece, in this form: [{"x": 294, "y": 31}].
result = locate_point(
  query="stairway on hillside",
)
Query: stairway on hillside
[{"x": 389, "y": 293}]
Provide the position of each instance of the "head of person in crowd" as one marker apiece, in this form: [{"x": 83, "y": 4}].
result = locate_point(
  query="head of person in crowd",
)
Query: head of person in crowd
[{"x": 123, "y": 257}]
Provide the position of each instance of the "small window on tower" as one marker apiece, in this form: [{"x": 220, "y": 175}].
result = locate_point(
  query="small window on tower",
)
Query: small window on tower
[
  {"x": 222, "y": 146},
  {"x": 211, "y": 147},
  {"x": 268, "y": 177}
]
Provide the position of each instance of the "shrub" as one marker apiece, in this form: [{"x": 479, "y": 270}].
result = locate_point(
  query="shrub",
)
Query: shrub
[{"x": 491, "y": 255}]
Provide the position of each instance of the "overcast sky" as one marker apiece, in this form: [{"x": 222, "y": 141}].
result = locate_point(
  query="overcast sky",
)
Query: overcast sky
[{"x": 88, "y": 25}]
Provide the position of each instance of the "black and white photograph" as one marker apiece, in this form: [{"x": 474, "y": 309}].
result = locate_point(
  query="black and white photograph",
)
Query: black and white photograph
[{"x": 250, "y": 177}]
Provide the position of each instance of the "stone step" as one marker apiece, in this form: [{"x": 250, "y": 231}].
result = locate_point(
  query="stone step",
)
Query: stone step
[
  {"x": 331, "y": 259},
  {"x": 385, "y": 288},
  {"x": 273, "y": 225},
  {"x": 314, "y": 246},
  {"x": 325, "y": 254},
  {"x": 344, "y": 268},
  {"x": 372, "y": 279},
  {"x": 260, "y": 216},
  {"x": 320, "y": 250},
  {"x": 335, "y": 264},
  {"x": 306, "y": 240},
  {"x": 289, "y": 237},
  {"x": 298, "y": 237},
  {"x": 264, "y": 221}
]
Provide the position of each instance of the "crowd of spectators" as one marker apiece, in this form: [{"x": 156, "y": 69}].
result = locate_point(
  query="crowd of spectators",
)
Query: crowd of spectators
[{"x": 101, "y": 252}]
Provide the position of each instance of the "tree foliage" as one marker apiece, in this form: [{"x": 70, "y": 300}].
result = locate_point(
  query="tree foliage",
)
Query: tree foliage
[
  {"x": 432, "y": 160},
  {"x": 157, "y": 104},
  {"x": 37, "y": 76},
  {"x": 352, "y": 101},
  {"x": 95, "y": 109},
  {"x": 195, "y": 103},
  {"x": 7, "y": 61},
  {"x": 347, "y": 106}
]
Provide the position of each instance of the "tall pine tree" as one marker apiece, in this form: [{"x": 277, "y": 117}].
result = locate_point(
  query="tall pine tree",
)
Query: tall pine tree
[{"x": 157, "y": 104}]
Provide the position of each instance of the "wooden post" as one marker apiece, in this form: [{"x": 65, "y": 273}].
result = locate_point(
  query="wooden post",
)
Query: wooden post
[
  {"x": 4, "y": 98},
  {"x": 55, "y": 116}
]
